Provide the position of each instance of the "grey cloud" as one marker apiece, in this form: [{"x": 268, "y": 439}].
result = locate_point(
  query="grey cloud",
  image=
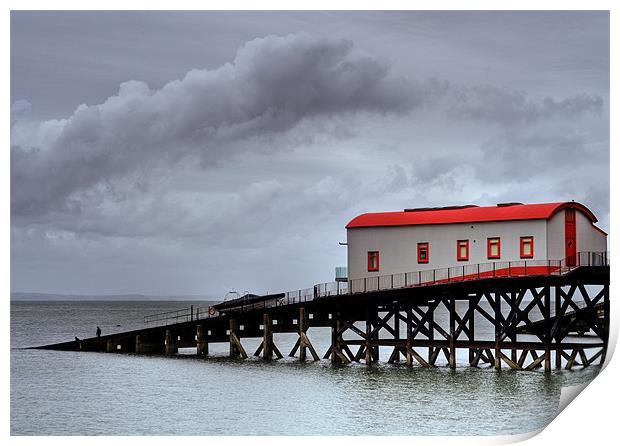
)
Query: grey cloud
[
  {"x": 271, "y": 86},
  {"x": 517, "y": 156},
  {"x": 491, "y": 104}
]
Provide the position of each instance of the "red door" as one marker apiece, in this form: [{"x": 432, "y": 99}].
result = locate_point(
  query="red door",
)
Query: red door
[{"x": 570, "y": 242}]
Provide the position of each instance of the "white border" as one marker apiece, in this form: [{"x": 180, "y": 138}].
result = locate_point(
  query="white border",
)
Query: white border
[{"x": 591, "y": 418}]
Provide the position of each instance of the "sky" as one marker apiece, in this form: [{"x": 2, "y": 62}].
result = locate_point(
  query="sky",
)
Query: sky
[{"x": 175, "y": 153}]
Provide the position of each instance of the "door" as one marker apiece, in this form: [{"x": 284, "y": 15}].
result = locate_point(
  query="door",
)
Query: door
[{"x": 570, "y": 242}]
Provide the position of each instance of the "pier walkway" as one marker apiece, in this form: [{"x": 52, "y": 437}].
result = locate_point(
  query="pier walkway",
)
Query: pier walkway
[{"x": 532, "y": 310}]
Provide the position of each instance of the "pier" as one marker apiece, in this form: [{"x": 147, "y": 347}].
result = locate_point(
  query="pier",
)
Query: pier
[{"x": 536, "y": 317}]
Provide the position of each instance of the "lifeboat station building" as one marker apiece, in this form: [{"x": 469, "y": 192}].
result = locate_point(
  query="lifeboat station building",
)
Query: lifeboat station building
[{"x": 464, "y": 239}]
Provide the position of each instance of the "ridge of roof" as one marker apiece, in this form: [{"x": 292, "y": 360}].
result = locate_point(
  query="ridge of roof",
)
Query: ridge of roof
[{"x": 466, "y": 214}]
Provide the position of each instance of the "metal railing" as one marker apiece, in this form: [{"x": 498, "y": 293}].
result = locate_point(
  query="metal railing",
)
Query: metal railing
[
  {"x": 513, "y": 268},
  {"x": 176, "y": 316}
]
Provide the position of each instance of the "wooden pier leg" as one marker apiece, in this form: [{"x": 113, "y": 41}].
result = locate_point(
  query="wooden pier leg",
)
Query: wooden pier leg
[
  {"x": 452, "y": 359},
  {"x": 395, "y": 358},
  {"x": 302, "y": 331},
  {"x": 431, "y": 334},
  {"x": 236, "y": 349},
  {"x": 513, "y": 337},
  {"x": 232, "y": 326},
  {"x": 267, "y": 337},
  {"x": 605, "y": 322},
  {"x": 409, "y": 356},
  {"x": 368, "y": 357},
  {"x": 472, "y": 330},
  {"x": 498, "y": 324},
  {"x": 335, "y": 329},
  {"x": 109, "y": 346},
  {"x": 171, "y": 344},
  {"x": 558, "y": 308},
  {"x": 548, "y": 327},
  {"x": 202, "y": 346},
  {"x": 138, "y": 344},
  {"x": 375, "y": 348},
  {"x": 336, "y": 350}
]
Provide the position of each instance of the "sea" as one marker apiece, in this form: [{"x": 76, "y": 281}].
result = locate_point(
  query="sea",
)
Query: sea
[{"x": 87, "y": 393}]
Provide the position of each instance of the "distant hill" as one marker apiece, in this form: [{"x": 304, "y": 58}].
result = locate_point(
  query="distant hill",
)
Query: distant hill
[{"x": 109, "y": 297}]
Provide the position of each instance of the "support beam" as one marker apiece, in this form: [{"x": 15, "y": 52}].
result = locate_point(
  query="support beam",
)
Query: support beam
[
  {"x": 236, "y": 349},
  {"x": 558, "y": 305},
  {"x": 472, "y": 328},
  {"x": 368, "y": 358},
  {"x": 395, "y": 357},
  {"x": 497, "y": 306},
  {"x": 171, "y": 344},
  {"x": 452, "y": 310},
  {"x": 138, "y": 344},
  {"x": 267, "y": 337},
  {"x": 409, "y": 356},
  {"x": 548, "y": 327},
  {"x": 202, "y": 346}
]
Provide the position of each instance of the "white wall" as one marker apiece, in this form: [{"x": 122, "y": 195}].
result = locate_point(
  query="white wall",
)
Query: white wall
[
  {"x": 555, "y": 236},
  {"x": 588, "y": 238},
  {"x": 398, "y": 245}
]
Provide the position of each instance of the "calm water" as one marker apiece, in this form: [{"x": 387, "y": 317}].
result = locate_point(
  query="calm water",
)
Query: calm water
[{"x": 69, "y": 393}]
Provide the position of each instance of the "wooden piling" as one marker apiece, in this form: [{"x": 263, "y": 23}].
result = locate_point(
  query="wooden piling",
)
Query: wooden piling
[
  {"x": 138, "y": 344},
  {"x": 368, "y": 357},
  {"x": 302, "y": 332},
  {"x": 409, "y": 356},
  {"x": 395, "y": 358},
  {"x": 236, "y": 349},
  {"x": 558, "y": 308},
  {"x": 171, "y": 344},
  {"x": 452, "y": 347},
  {"x": 548, "y": 328},
  {"x": 497, "y": 304},
  {"x": 431, "y": 333},
  {"x": 267, "y": 337},
  {"x": 202, "y": 346},
  {"x": 303, "y": 343},
  {"x": 472, "y": 329}
]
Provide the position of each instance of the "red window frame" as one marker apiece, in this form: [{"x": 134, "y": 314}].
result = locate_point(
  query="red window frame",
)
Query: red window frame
[
  {"x": 373, "y": 255},
  {"x": 499, "y": 248},
  {"x": 522, "y": 243},
  {"x": 459, "y": 257},
  {"x": 423, "y": 246}
]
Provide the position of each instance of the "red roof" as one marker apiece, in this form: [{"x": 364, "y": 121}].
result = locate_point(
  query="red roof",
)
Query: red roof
[{"x": 466, "y": 214}]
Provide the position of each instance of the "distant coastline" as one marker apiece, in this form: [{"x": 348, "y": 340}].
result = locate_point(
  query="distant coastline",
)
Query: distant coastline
[{"x": 42, "y": 297}]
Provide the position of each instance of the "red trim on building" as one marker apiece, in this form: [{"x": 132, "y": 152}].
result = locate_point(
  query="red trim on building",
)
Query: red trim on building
[
  {"x": 471, "y": 214},
  {"x": 423, "y": 248},
  {"x": 522, "y": 243},
  {"x": 499, "y": 248},
  {"x": 570, "y": 237},
  {"x": 373, "y": 260},
  {"x": 459, "y": 255}
]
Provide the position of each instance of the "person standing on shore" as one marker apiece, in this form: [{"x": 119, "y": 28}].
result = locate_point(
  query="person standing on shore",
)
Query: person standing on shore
[{"x": 98, "y": 331}]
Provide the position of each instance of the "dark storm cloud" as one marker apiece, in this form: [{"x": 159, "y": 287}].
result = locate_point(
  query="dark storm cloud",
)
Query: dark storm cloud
[{"x": 272, "y": 84}]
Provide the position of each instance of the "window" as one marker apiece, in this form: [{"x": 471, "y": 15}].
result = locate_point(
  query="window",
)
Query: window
[
  {"x": 373, "y": 260},
  {"x": 527, "y": 247},
  {"x": 493, "y": 248},
  {"x": 462, "y": 250},
  {"x": 423, "y": 252}
]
